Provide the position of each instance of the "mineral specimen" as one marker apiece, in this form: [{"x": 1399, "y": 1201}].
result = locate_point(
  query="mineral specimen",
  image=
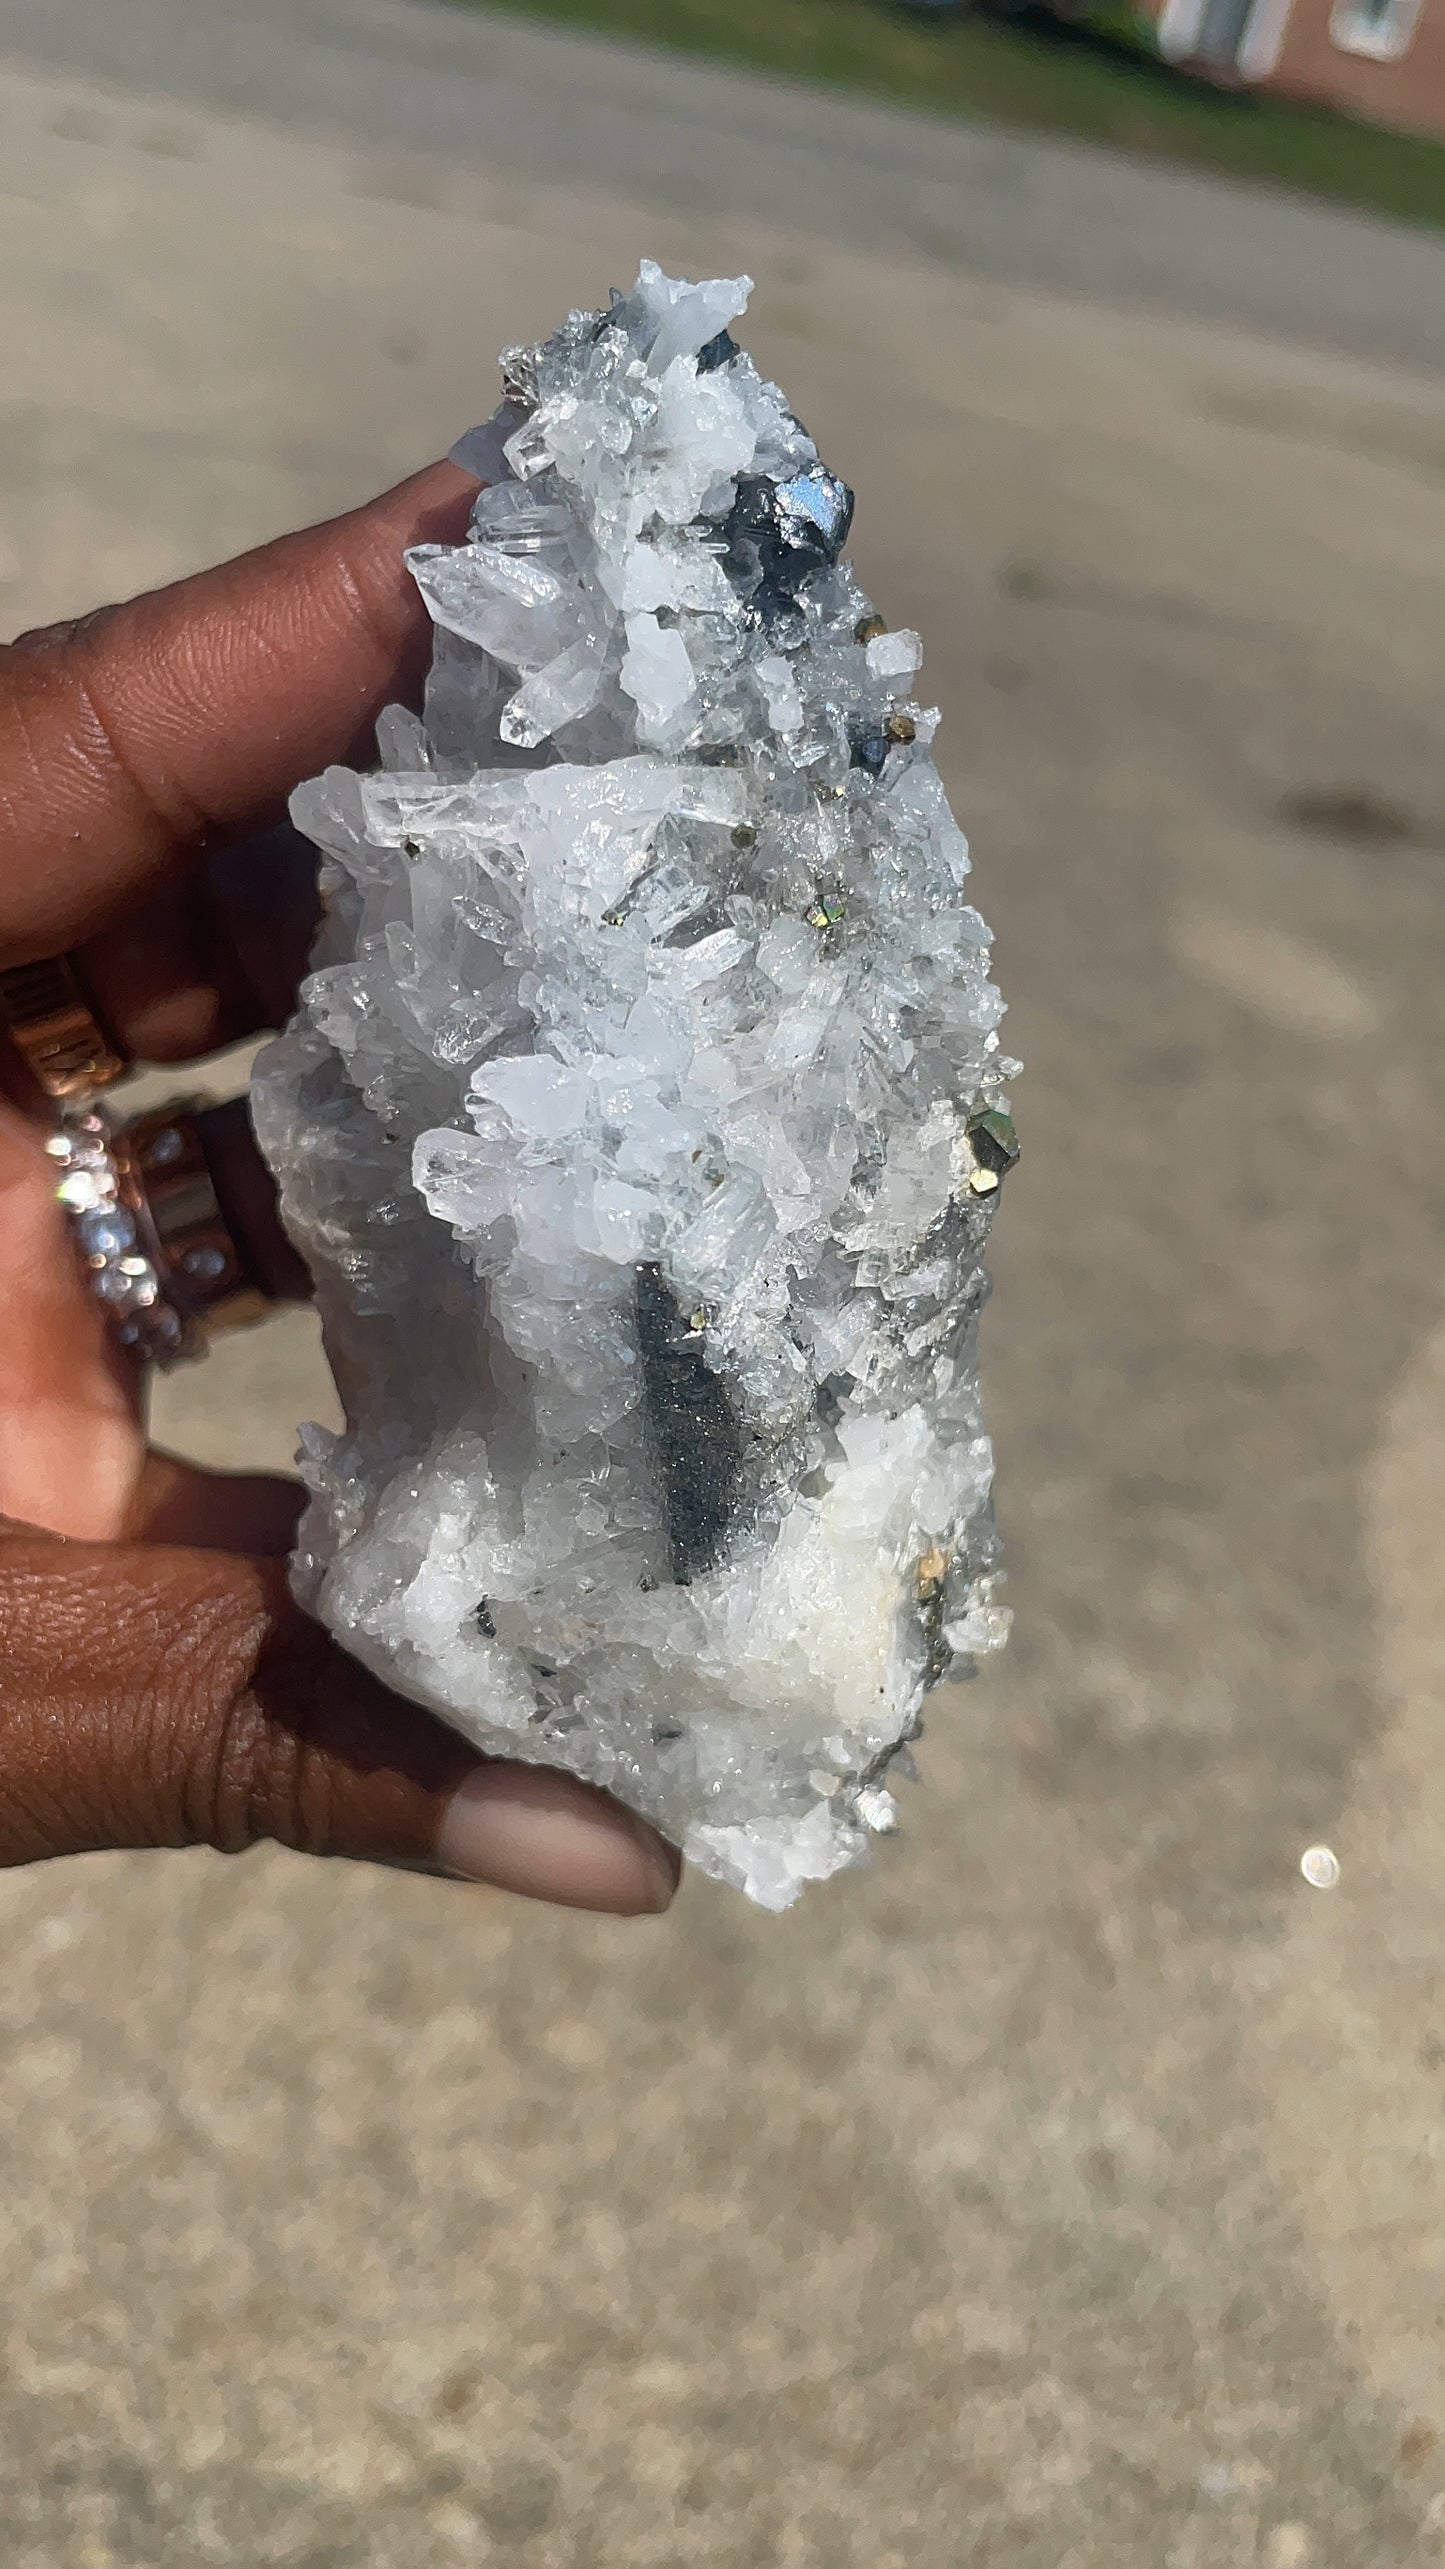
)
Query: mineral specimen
[{"x": 643, "y": 1122}]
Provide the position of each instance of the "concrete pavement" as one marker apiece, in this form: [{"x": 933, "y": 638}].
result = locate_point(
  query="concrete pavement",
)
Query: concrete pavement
[{"x": 1065, "y": 2193}]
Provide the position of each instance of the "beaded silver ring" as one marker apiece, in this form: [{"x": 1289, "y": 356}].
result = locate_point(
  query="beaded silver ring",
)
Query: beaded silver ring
[
  {"x": 158, "y": 1251},
  {"x": 109, "y": 1217}
]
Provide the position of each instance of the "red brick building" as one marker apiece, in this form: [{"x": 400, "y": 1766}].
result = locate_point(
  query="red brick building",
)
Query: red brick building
[{"x": 1383, "y": 60}]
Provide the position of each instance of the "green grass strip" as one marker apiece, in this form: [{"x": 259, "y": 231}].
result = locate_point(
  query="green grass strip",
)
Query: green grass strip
[{"x": 1100, "y": 83}]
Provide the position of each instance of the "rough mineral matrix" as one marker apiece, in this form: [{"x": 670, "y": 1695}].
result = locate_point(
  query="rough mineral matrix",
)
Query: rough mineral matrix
[{"x": 642, "y": 1124}]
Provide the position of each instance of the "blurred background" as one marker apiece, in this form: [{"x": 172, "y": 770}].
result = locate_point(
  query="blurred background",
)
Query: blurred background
[{"x": 1067, "y": 2192}]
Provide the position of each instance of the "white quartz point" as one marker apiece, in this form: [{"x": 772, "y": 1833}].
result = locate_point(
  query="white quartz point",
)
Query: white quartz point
[
  {"x": 656, "y": 673},
  {"x": 643, "y": 1122}
]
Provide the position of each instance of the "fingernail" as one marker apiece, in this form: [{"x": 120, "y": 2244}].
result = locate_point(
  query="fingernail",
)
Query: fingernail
[{"x": 531, "y": 1830}]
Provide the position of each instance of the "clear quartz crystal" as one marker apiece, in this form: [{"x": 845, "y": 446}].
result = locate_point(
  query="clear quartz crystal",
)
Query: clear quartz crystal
[{"x": 643, "y": 1123}]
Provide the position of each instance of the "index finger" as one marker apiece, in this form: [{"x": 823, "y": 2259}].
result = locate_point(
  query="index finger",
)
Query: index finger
[{"x": 132, "y": 739}]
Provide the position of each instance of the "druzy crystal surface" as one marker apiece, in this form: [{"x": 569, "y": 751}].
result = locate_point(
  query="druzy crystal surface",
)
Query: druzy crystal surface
[{"x": 643, "y": 1121}]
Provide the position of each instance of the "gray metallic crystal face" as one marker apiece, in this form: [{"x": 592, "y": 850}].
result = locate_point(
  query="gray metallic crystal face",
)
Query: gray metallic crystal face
[
  {"x": 644, "y": 1122},
  {"x": 693, "y": 1427}
]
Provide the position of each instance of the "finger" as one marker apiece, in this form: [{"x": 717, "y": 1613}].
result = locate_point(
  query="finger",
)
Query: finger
[
  {"x": 214, "y": 957},
  {"x": 133, "y": 738},
  {"x": 176, "y": 1502},
  {"x": 154, "y": 1696},
  {"x": 71, "y": 1446}
]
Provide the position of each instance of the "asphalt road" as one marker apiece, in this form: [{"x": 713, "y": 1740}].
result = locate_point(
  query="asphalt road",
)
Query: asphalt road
[
  {"x": 523, "y": 103},
  {"x": 1067, "y": 2191}
]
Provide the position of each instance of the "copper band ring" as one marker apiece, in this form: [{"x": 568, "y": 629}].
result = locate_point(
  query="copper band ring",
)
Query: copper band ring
[
  {"x": 55, "y": 1030},
  {"x": 141, "y": 1197}
]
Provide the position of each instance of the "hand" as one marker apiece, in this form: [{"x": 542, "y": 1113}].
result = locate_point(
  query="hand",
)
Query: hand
[{"x": 158, "y": 1687}]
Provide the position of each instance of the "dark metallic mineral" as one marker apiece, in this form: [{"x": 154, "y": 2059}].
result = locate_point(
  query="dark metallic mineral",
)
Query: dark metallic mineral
[
  {"x": 692, "y": 1426},
  {"x": 868, "y": 747},
  {"x": 993, "y": 1141},
  {"x": 718, "y": 352},
  {"x": 815, "y": 511},
  {"x": 777, "y": 534}
]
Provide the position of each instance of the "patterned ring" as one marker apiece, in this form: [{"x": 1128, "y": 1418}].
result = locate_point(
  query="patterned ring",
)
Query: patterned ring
[
  {"x": 165, "y": 1171},
  {"x": 122, "y": 1256},
  {"x": 55, "y": 1030},
  {"x": 159, "y": 1252}
]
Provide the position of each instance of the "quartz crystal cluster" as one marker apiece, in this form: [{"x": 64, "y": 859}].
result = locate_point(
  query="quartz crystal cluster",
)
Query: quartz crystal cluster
[{"x": 642, "y": 1124}]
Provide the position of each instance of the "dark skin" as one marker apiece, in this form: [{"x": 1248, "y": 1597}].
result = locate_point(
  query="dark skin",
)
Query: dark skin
[{"x": 158, "y": 1686}]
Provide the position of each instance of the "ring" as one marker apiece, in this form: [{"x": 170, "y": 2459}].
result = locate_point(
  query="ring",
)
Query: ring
[
  {"x": 55, "y": 1030},
  {"x": 122, "y": 1260},
  {"x": 158, "y": 1251}
]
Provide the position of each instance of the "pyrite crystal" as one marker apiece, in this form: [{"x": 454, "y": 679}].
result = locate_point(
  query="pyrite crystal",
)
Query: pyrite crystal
[{"x": 643, "y": 1123}]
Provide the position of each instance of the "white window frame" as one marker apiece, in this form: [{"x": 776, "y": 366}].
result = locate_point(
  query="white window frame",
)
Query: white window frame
[
  {"x": 1177, "y": 29},
  {"x": 1383, "y": 39},
  {"x": 1260, "y": 45}
]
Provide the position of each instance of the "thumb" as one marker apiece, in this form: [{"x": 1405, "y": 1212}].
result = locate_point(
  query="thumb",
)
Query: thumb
[{"x": 155, "y": 1695}]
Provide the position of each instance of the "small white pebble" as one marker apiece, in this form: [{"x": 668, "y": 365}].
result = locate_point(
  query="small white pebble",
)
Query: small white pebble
[
  {"x": 1290, "y": 2546},
  {"x": 1321, "y": 1867},
  {"x": 1216, "y": 2480}
]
